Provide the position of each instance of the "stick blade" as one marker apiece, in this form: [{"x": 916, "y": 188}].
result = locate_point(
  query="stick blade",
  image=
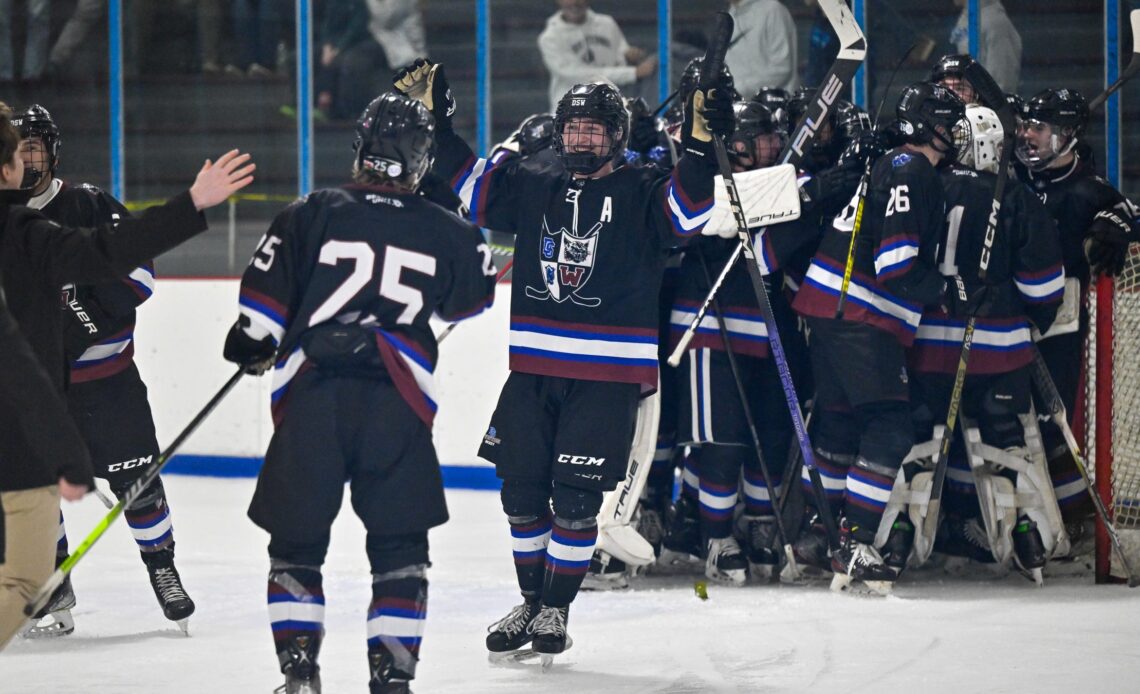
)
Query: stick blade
[
  {"x": 1134, "y": 20},
  {"x": 852, "y": 43}
]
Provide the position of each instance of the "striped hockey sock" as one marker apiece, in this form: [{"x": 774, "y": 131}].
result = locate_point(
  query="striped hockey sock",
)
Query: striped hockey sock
[
  {"x": 717, "y": 504},
  {"x": 396, "y": 622},
  {"x": 529, "y": 539},
  {"x": 567, "y": 559},
  {"x": 296, "y": 613},
  {"x": 149, "y": 520},
  {"x": 757, "y": 502},
  {"x": 868, "y": 490}
]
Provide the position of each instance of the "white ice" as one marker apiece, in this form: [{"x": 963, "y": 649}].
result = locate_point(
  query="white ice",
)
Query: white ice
[{"x": 936, "y": 634}]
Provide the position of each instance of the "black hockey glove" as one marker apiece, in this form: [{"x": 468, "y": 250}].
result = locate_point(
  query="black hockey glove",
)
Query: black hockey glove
[
  {"x": 424, "y": 81},
  {"x": 708, "y": 113},
  {"x": 829, "y": 191},
  {"x": 957, "y": 303},
  {"x": 1106, "y": 244},
  {"x": 255, "y": 356}
]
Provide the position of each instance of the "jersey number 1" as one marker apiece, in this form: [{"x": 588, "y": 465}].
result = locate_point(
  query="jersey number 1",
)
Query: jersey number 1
[{"x": 363, "y": 262}]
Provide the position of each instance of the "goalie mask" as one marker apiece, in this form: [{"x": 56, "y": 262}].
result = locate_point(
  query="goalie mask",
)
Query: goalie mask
[
  {"x": 36, "y": 123},
  {"x": 928, "y": 113},
  {"x": 395, "y": 139},
  {"x": 1053, "y": 122},
  {"x": 760, "y": 135},
  {"x": 978, "y": 139},
  {"x": 591, "y": 127}
]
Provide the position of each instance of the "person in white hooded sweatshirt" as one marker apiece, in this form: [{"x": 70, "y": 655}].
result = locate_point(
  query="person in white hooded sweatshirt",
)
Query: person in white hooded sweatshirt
[{"x": 763, "y": 49}]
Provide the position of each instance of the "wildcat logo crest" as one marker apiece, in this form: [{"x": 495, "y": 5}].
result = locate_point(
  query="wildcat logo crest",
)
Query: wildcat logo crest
[{"x": 567, "y": 261}]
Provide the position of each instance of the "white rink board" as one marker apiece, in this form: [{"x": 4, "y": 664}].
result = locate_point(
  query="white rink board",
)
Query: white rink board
[{"x": 178, "y": 347}]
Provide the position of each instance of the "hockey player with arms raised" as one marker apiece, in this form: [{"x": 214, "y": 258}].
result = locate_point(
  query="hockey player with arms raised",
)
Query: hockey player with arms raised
[
  {"x": 1021, "y": 287},
  {"x": 1096, "y": 223},
  {"x": 591, "y": 244},
  {"x": 340, "y": 291},
  {"x": 862, "y": 429},
  {"x": 106, "y": 396}
]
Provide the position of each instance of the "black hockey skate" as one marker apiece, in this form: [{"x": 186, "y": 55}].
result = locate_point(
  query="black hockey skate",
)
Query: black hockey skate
[
  {"x": 681, "y": 546},
  {"x": 759, "y": 540},
  {"x": 810, "y": 548},
  {"x": 726, "y": 563},
  {"x": 549, "y": 631},
  {"x": 900, "y": 540},
  {"x": 384, "y": 676},
  {"x": 299, "y": 665},
  {"x": 651, "y": 526},
  {"x": 512, "y": 632},
  {"x": 1029, "y": 550},
  {"x": 167, "y": 584},
  {"x": 606, "y": 572},
  {"x": 964, "y": 537},
  {"x": 57, "y": 612},
  {"x": 857, "y": 561}
]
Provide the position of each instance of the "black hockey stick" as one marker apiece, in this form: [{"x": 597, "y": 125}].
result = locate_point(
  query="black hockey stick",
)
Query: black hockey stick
[
  {"x": 991, "y": 96},
  {"x": 1130, "y": 71},
  {"x": 1055, "y": 407},
  {"x": 746, "y": 410},
  {"x": 133, "y": 492}
]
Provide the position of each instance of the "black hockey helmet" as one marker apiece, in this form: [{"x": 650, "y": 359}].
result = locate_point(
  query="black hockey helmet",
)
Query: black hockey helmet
[
  {"x": 929, "y": 112},
  {"x": 1066, "y": 111},
  {"x": 953, "y": 65},
  {"x": 395, "y": 137},
  {"x": 851, "y": 122},
  {"x": 36, "y": 122},
  {"x": 773, "y": 97},
  {"x": 599, "y": 101},
  {"x": 691, "y": 78},
  {"x": 753, "y": 120},
  {"x": 798, "y": 103},
  {"x": 536, "y": 133}
]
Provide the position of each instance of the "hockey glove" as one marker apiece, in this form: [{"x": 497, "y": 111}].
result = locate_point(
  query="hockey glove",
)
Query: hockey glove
[
  {"x": 1106, "y": 245},
  {"x": 424, "y": 81},
  {"x": 642, "y": 128},
  {"x": 957, "y": 303},
  {"x": 707, "y": 114},
  {"x": 253, "y": 355},
  {"x": 826, "y": 193}
]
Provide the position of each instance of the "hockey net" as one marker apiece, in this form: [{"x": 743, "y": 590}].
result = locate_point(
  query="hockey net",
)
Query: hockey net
[{"x": 1112, "y": 410}]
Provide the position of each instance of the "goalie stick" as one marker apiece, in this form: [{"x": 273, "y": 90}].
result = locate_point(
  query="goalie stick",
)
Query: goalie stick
[
  {"x": 133, "y": 492},
  {"x": 991, "y": 96},
  {"x": 1130, "y": 71},
  {"x": 854, "y": 48},
  {"x": 1055, "y": 407}
]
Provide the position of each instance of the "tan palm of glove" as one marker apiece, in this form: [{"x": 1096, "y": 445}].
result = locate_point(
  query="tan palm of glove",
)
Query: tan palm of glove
[{"x": 425, "y": 82}]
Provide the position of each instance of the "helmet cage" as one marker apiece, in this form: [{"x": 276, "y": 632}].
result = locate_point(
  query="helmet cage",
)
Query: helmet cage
[
  {"x": 978, "y": 139},
  {"x": 598, "y": 102}
]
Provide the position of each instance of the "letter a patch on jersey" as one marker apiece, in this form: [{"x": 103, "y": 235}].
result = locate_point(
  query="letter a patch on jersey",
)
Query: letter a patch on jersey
[{"x": 567, "y": 262}]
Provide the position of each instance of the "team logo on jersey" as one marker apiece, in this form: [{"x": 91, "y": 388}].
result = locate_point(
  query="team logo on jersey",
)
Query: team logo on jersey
[
  {"x": 567, "y": 261},
  {"x": 900, "y": 159}
]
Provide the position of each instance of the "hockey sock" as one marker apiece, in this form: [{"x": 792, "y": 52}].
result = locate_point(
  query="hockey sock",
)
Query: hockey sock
[
  {"x": 756, "y": 499},
  {"x": 961, "y": 492},
  {"x": 869, "y": 487},
  {"x": 529, "y": 539},
  {"x": 567, "y": 559},
  {"x": 833, "y": 473},
  {"x": 61, "y": 543},
  {"x": 296, "y": 614},
  {"x": 691, "y": 476},
  {"x": 396, "y": 622},
  {"x": 149, "y": 519},
  {"x": 1068, "y": 485},
  {"x": 659, "y": 482}
]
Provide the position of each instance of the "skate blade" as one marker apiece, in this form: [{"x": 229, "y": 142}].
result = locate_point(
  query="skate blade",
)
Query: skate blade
[
  {"x": 733, "y": 579},
  {"x": 1036, "y": 575},
  {"x": 597, "y": 583},
  {"x": 527, "y": 657},
  {"x": 842, "y": 583},
  {"x": 184, "y": 625},
  {"x": 62, "y": 624}
]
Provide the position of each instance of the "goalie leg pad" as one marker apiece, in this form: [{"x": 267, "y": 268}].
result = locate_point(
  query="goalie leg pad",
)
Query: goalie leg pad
[{"x": 996, "y": 495}]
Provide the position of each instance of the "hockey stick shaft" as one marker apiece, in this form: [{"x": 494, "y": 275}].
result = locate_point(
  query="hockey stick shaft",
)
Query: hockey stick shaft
[
  {"x": 746, "y": 410},
  {"x": 503, "y": 272},
  {"x": 133, "y": 492},
  {"x": 1130, "y": 71},
  {"x": 849, "y": 267},
  {"x": 1043, "y": 380}
]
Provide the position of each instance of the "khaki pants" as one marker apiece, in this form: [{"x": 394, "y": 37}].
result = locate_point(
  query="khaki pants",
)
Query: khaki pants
[{"x": 31, "y": 522}]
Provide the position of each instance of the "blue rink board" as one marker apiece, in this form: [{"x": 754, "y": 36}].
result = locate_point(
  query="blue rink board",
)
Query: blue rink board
[{"x": 454, "y": 476}]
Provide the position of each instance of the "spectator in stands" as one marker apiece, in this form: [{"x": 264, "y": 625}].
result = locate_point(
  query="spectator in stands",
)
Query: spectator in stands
[
  {"x": 87, "y": 14},
  {"x": 258, "y": 22},
  {"x": 36, "y": 46},
  {"x": 212, "y": 17},
  {"x": 763, "y": 52},
  {"x": 580, "y": 45},
  {"x": 999, "y": 44}
]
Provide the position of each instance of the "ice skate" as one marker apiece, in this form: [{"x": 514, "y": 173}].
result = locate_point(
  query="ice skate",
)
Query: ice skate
[
  {"x": 964, "y": 537},
  {"x": 900, "y": 540},
  {"x": 726, "y": 563},
  {"x": 606, "y": 573},
  {"x": 383, "y": 677},
  {"x": 549, "y": 634},
  {"x": 511, "y": 633},
  {"x": 811, "y": 553},
  {"x": 299, "y": 665},
  {"x": 55, "y": 618},
  {"x": 681, "y": 548},
  {"x": 167, "y": 584},
  {"x": 856, "y": 561},
  {"x": 1029, "y": 550},
  {"x": 759, "y": 540}
]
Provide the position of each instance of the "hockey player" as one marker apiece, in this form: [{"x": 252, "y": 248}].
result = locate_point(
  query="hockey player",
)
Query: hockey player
[
  {"x": 340, "y": 291},
  {"x": 1096, "y": 225},
  {"x": 591, "y": 242},
  {"x": 1023, "y": 286},
  {"x": 861, "y": 427},
  {"x": 950, "y": 72},
  {"x": 106, "y": 397}
]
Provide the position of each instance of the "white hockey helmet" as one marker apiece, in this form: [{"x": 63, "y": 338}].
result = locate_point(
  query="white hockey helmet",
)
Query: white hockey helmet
[{"x": 979, "y": 139}]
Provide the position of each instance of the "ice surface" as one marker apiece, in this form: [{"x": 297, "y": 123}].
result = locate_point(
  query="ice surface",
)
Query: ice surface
[{"x": 936, "y": 634}]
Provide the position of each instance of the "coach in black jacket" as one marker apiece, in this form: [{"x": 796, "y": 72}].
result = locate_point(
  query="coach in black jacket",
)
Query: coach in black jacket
[{"x": 37, "y": 257}]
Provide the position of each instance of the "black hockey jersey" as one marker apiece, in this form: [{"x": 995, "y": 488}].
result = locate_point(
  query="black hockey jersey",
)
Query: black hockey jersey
[
  {"x": 1073, "y": 195},
  {"x": 589, "y": 256},
  {"x": 894, "y": 274},
  {"x": 1025, "y": 278},
  {"x": 370, "y": 256},
  {"x": 99, "y": 332}
]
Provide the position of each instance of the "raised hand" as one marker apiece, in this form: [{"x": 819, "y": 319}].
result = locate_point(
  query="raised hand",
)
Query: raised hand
[{"x": 218, "y": 180}]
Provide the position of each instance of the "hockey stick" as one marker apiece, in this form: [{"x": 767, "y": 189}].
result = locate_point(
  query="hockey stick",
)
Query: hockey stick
[
  {"x": 854, "y": 49},
  {"x": 133, "y": 492},
  {"x": 864, "y": 184},
  {"x": 850, "y": 56},
  {"x": 990, "y": 95},
  {"x": 503, "y": 272},
  {"x": 1130, "y": 71},
  {"x": 1055, "y": 406},
  {"x": 746, "y": 410}
]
